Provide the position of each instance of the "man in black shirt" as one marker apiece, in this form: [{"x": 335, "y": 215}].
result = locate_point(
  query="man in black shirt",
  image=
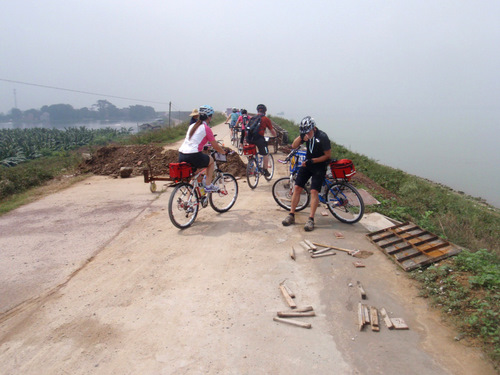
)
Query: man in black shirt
[{"x": 314, "y": 167}]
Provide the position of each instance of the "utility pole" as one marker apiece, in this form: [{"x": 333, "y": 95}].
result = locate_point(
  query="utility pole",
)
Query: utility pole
[{"x": 169, "y": 112}]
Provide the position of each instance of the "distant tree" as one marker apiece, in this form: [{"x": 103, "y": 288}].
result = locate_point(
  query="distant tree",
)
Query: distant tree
[
  {"x": 31, "y": 116},
  {"x": 141, "y": 113},
  {"x": 16, "y": 115},
  {"x": 60, "y": 113},
  {"x": 107, "y": 110}
]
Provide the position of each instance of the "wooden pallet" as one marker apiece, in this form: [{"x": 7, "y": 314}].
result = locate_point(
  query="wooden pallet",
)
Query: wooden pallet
[{"x": 411, "y": 246}]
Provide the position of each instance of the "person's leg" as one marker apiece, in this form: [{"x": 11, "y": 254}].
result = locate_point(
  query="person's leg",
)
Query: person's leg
[
  {"x": 210, "y": 170},
  {"x": 295, "y": 198}
]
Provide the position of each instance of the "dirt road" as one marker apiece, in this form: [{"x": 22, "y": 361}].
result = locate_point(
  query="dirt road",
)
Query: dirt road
[{"x": 96, "y": 280}]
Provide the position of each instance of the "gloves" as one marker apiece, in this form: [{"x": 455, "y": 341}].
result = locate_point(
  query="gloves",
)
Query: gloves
[{"x": 309, "y": 163}]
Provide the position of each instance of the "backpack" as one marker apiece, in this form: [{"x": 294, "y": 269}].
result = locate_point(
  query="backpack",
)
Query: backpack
[
  {"x": 253, "y": 128},
  {"x": 245, "y": 120}
]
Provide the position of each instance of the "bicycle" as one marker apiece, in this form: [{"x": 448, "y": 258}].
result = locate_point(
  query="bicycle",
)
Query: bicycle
[
  {"x": 235, "y": 139},
  {"x": 342, "y": 199},
  {"x": 189, "y": 194},
  {"x": 255, "y": 166}
]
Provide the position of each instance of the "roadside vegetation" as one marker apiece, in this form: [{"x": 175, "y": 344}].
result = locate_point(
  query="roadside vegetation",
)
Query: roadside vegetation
[{"x": 465, "y": 287}]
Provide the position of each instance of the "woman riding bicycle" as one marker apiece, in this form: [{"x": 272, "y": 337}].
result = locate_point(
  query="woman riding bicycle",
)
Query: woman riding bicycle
[
  {"x": 198, "y": 135},
  {"x": 314, "y": 167}
]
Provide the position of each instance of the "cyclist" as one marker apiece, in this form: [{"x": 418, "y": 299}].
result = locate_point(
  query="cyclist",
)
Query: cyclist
[
  {"x": 314, "y": 167},
  {"x": 261, "y": 142},
  {"x": 194, "y": 116},
  {"x": 242, "y": 121},
  {"x": 199, "y": 134},
  {"x": 233, "y": 117}
]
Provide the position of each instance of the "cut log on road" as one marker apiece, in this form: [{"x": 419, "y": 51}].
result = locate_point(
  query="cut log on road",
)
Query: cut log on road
[
  {"x": 293, "y": 322},
  {"x": 295, "y": 314},
  {"x": 322, "y": 255},
  {"x": 288, "y": 299},
  {"x": 386, "y": 318}
]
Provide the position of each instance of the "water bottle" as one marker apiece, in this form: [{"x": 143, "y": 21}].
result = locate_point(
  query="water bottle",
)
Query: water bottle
[{"x": 203, "y": 184}]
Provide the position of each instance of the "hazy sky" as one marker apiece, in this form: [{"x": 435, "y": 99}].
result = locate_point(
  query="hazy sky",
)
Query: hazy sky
[{"x": 372, "y": 67}]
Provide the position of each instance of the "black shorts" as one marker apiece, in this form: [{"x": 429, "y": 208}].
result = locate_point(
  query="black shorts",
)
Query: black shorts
[
  {"x": 197, "y": 160},
  {"x": 316, "y": 174},
  {"x": 261, "y": 144}
]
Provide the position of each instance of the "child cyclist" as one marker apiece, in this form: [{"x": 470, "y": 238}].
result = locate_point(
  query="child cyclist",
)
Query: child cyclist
[{"x": 198, "y": 135}]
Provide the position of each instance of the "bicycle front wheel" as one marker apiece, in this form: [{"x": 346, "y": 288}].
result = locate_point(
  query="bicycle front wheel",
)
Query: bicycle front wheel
[
  {"x": 345, "y": 202},
  {"x": 270, "y": 167},
  {"x": 183, "y": 205},
  {"x": 225, "y": 198},
  {"x": 252, "y": 173},
  {"x": 283, "y": 191}
]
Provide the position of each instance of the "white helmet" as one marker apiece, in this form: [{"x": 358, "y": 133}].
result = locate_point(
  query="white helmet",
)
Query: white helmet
[{"x": 306, "y": 125}]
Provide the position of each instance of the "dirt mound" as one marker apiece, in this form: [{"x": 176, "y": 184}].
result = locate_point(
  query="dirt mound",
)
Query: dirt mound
[{"x": 108, "y": 160}]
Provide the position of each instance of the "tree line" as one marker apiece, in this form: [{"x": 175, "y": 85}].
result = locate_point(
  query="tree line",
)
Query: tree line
[{"x": 103, "y": 110}]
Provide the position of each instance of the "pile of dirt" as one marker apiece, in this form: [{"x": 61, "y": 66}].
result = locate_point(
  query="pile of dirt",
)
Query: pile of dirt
[{"x": 108, "y": 160}]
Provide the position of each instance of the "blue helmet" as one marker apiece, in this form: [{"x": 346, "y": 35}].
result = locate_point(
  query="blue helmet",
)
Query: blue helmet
[{"x": 206, "y": 110}]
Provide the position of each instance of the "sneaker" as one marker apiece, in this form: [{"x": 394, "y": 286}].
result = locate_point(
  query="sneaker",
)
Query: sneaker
[
  {"x": 266, "y": 173},
  {"x": 289, "y": 220},
  {"x": 309, "y": 225},
  {"x": 211, "y": 188}
]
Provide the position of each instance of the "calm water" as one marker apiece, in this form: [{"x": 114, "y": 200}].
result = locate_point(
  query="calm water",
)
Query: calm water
[{"x": 462, "y": 152}]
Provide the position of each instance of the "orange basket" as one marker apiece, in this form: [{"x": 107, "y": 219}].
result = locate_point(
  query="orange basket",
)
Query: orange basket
[
  {"x": 342, "y": 169},
  {"x": 249, "y": 150},
  {"x": 178, "y": 171}
]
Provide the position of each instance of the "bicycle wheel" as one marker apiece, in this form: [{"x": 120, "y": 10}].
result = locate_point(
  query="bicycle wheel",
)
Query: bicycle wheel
[
  {"x": 225, "y": 198},
  {"x": 345, "y": 202},
  {"x": 283, "y": 191},
  {"x": 183, "y": 205},
  {"x": 270, "y": 167},
  {"x": 252, "y": 173}
]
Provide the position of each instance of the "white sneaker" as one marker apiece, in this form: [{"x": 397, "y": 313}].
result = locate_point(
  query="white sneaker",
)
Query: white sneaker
[{"x": 211, "y": 188}]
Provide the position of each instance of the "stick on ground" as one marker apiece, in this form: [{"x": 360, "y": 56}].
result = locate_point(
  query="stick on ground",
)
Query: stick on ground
[
  {"x": 288, "y": 299},
  {"x": 293, "y": 322}
]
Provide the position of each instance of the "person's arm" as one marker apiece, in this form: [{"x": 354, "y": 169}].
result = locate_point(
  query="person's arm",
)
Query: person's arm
[
  {"x": 296, "y": 142},
  {"x": 326, "y": 156}
]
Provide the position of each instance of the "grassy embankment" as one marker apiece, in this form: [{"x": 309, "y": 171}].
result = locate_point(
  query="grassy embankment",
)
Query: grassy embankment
[{"x": 466, "y": 287}]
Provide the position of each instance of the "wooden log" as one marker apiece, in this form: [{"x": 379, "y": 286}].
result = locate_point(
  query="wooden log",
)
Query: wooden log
[
  {"x": 386, "y": 318},
  {"x": 293, "y": 322},
  {"x": 374, "y": 319},
  {"x": 310, "y": 244},
  {"x": 304, "y": 309},
  {"x": 304, "y": 245},
  {"x": 295, "y": 314},
  {"x": 288, "y": 290},
  {"x": 292, "y": 253},
  {"x": 339, "y": 235},
  {"x": 288, "y": 299},
  {"x": 322, "y": 255},
  {"x": 361, "y": 316},
  {"x": 361, "y": 290},
  {"x": 321, "y": 251}
]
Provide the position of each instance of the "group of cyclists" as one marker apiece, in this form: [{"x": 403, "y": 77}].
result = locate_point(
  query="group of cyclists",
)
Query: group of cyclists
[{"x": 318, "y": 152}]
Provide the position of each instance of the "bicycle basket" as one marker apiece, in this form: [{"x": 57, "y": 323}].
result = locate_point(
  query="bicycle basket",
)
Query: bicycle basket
[
  {"x": 249, "y": 150},
  {"x": 178, "y": 171},
  {"x": 220, "y": 157},
  {"x": 342, "y": 169},
  {"x": 297, "y": 160}
]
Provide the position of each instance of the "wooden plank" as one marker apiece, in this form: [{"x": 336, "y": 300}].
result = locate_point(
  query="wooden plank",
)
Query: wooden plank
[
  {"x": 374, "y": 319},
  {"x": 398, "y": 249},
  {"x": 361, "y": 290},
  {"x": 386, "y": 318},
  {"x": 288, "y": 290},
  {"x": 295, "y": 314},
  {"x": 293, "y": 322},
  {"x": 361, "y": 316},
  {"x": 358, "y": 264},
  {"x": 333, "y": 247},
  {"x": 287, "y": 297},
  {"x": 304, "y": 309},
  {"x": 399, "y": 240},
  {"x": 366, "y": 314},
  {"x": 321, "y": 251},
  {"x": 399, "y": 323},
  {"x": 427, "y": 240},
  {"x": 384, "y": 230}
]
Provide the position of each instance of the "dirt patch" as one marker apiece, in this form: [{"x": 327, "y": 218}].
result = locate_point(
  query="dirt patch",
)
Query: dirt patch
[{"x": 107, "y": 161}]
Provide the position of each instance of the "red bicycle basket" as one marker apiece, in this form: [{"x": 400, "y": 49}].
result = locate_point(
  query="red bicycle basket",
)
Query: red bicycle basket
[
  {"x": 249, "y": 150},
  {"x": 342, "y": 169},
  {"x": 179, "y": 171}
]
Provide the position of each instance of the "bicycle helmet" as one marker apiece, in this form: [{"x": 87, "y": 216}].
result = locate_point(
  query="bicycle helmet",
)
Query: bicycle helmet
[
  {"x": 235, "y": 109},
  {"x": 243, "y": 111},
  {"x": 306, "y": 125},
  {"x": 261, "y": 108},
  {"x": 206, "y": 110}
]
